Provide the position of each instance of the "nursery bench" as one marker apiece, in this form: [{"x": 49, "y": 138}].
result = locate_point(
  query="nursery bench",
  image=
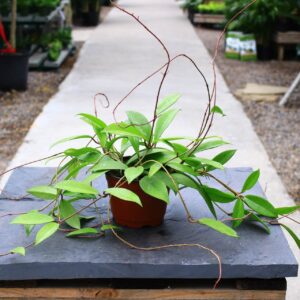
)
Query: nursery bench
[
  {"x": 282, "y": 39},
  {"x": 254, "y": 266},
  {"x": 200, "y": 18}
]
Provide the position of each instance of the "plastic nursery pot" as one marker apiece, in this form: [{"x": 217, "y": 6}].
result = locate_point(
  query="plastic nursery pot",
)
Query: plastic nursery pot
[
  {"x": 14, "y": 71},
  {"x": 91, "y": 18},
  {"x": 132, "y": 215}
]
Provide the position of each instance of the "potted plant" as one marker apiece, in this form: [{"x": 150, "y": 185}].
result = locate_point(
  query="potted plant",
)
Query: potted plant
[
  {"x": 91, "y": 12},
  {"x": 86, "y": 11},
  {"x": 191, "y": 7},
  {"x": 143, "y": 166},
  {"x": 14, "y": 63}
]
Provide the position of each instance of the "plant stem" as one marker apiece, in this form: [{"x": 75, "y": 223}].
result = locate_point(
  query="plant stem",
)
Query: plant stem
[{"x": 13, "y": 24}]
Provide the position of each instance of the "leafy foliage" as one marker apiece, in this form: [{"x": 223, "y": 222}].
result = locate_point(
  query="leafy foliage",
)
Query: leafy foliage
[{"x": 137, "y": 150}]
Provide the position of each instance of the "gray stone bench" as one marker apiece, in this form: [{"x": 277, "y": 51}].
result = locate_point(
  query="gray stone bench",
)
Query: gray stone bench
[{"x": 256, "y": 255}]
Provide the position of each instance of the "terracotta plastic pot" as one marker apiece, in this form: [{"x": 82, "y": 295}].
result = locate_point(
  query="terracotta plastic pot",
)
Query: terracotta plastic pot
[{"x": 132, "y": 215}]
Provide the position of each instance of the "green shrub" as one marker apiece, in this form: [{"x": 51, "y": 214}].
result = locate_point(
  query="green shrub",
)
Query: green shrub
[
  {"x": 262, "y": 17},
  {"x": 54, "y": 50},
  {"x": 212, "y": 8}
]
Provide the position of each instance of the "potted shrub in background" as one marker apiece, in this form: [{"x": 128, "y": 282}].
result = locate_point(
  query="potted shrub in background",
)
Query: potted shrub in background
[
  {"x": 13, "y": 64},
  {"x": 191, "y": 7},
  {"x": 262, "y": 18},
  {"x": 87, "y": 12}
]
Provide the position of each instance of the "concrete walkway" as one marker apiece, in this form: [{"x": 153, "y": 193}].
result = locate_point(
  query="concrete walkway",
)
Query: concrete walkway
[{"x": 116, "y": 56}]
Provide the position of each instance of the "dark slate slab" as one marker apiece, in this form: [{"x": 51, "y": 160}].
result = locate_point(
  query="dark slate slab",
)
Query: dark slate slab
[{"x": 254, "y": 255}]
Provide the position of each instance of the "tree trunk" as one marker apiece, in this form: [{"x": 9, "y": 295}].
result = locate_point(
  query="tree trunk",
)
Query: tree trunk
[{"x": 13, "y": 25}]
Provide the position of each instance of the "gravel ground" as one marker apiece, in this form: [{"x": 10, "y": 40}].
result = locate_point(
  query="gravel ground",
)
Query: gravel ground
[
  {"x": 19, "y": 109},
  {"x": 277, "y": 127}
]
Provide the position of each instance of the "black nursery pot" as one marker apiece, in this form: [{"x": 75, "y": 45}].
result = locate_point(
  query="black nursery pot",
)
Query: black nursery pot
[
  {"x": 264, "y": 52},
  {"x": 91, "y": 18},
  {"x": 13, "y": 71}
]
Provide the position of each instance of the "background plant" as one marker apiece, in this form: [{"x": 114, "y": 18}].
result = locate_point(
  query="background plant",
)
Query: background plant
[
  {"x": 191, "y": 4},
  {"x": 211, "y": 7},
  {"x": 262, "y": 17}
]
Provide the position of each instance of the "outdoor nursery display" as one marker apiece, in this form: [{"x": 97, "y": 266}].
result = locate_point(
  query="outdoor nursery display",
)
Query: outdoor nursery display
[
  {"x": 143, "y": 167},
  {"x": 40, "y": 31}
]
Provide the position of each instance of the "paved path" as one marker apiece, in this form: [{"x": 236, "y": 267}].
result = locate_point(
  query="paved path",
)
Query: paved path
[{"x": 116, "y": 56}]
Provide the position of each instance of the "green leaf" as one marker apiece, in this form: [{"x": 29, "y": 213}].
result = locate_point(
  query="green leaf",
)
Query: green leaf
[
  {"x": 162, "y": 157},
  {"x": 44, "y": 192},
  {"x": 222, "y": 158},
  {"x": 164, "y": 177},
  {"x": 163, "y": 122},
  {"x": 80, "y": 151},
  {"x": 210, "y": 145},
  {"x": 217, "y": 110},
  {"x": 154, "y": 169},
  {"x": 124, "y": 194},
  {"x": 76, "y": 187},
  {"x": 251, "y": 181},
  {"x": 82, "y": 231},
  {"x": 136, "y": 118},
  {"x": 123, "y": 129},
  {"x": 45, "y": 232},
  {"x": 182, "y": 168},
  {"x": 18, "y": 250},
  {"x": 256, "y": 218},
  {"x": 108, "y": 163},
  {"x": 32, "y": 218},
  {"x": 86, "y": 218},
  {"x": 74, "y": 170},
  {"x": 287, "y": 210},
  {"x": 178, "y": 148},
  {"x": 261, "y": 206},
  {"x": 184, "y": 180},
  {"x": 176, "y": 138},
  {"x": 207, "y": 200},
  {"x": 218, "y": 196},
  {"x": 66, "y": 210},
  {"x": 109, "y": 227},
  {"x": 28, "y": 229},
  {"x": 133, "y": 172},
  {"x": 155, "y": 188},
  {"x": 92, "y": 120},
  {"x": 292, "y": 234},
  {"x": 167, "y": 102},
  {"x": 76, "y": 137},
  {"x": 204, "y": 161},
  {"x": 135, "y": 143},
  {"x": 238, "y": 213},
  {"x": 90, "y": 178},
  {"x": 218, "y": 226}
]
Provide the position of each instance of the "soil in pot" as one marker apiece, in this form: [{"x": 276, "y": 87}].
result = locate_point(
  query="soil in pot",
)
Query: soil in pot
[{"x": 132, "y": 215}]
